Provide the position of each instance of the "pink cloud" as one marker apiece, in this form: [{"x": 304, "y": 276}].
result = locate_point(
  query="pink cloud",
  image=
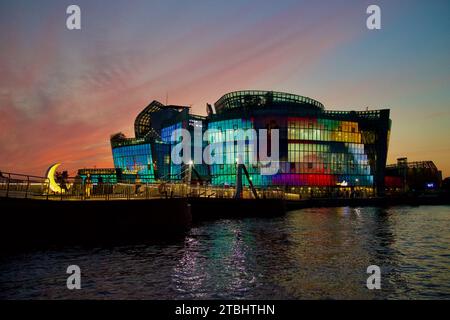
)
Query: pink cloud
[{"x": 62, "y": 107}]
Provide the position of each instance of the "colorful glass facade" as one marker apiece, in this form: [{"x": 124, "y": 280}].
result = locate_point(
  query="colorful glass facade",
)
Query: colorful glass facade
[
  {"x": 320, "y": 152},
  {"x": 331, "y": 149},
  {"x": 173, "y": 171},
  {"x": 317, "y": 148},
  {"x": 135, "y": 160},
  {"x": 224, "y": 133}
]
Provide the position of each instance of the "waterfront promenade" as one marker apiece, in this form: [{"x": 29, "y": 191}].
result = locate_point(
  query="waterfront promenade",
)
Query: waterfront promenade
[{"x": 18, "y": 186}]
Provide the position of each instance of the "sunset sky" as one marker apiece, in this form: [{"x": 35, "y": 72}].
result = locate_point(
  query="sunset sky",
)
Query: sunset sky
[{"x": 63, "y": 93}]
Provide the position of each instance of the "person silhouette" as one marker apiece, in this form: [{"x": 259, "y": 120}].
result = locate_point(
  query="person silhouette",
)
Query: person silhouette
[{"x": 88, "y": 185}]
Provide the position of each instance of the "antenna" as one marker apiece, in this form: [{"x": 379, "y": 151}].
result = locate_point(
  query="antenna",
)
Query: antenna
[{"x": 167, "y": 98}]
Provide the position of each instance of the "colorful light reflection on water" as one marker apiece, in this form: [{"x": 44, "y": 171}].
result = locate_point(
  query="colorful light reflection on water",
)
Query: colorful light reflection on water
[{"x": 312, "y": 254}]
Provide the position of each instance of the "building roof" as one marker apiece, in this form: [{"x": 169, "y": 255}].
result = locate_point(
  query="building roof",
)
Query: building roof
[
  {"x": 149, "y": 120},
  {"x": 413, "y": 165},
  {"x": 260, "y": 99}
]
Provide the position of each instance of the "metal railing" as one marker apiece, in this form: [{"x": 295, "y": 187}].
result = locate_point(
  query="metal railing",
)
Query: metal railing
[
  {"x": 33, "y": 187},
  {"x": 14, "y": 185}
]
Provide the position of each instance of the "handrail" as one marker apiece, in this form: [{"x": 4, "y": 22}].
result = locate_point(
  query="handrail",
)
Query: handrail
[
  {"x": 16, "y": 185},
  {"x": 22, "y": 185},
  {"x": 19, "y": 174}
]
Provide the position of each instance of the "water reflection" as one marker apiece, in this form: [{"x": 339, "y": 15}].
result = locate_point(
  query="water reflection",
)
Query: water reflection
[
  {"x": 307, "y": 254},
  {"x": 217, "y": 264}
]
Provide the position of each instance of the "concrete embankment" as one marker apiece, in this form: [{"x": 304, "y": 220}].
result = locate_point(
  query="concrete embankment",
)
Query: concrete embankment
[
  {"x": 28, "y": 221},
  {"x": 31, "y": 221}
]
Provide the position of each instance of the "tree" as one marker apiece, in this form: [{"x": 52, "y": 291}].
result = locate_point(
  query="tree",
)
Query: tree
[{"x": 118, "y": 136}]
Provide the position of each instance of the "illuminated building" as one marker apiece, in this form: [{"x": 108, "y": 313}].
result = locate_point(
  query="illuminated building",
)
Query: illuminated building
[
  {"x": 100, "y": 175},
  {"x": 147, "y": 156},
  {"x": 320, "y": 151},
  {"x": 413, "y": 176}
]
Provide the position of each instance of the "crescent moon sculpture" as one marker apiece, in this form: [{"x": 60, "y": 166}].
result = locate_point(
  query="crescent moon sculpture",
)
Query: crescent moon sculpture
[{"x": 53, "y": 185}]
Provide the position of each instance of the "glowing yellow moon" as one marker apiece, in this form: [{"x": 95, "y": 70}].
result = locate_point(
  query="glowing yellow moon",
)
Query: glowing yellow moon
[{"x": 54, "y": 186}]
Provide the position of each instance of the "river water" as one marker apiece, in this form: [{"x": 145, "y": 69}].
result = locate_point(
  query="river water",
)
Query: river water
[{"x": 306, "y": 254}]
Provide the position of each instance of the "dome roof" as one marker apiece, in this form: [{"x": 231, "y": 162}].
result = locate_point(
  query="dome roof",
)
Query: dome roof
[{"x": 260, "y": 99}]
